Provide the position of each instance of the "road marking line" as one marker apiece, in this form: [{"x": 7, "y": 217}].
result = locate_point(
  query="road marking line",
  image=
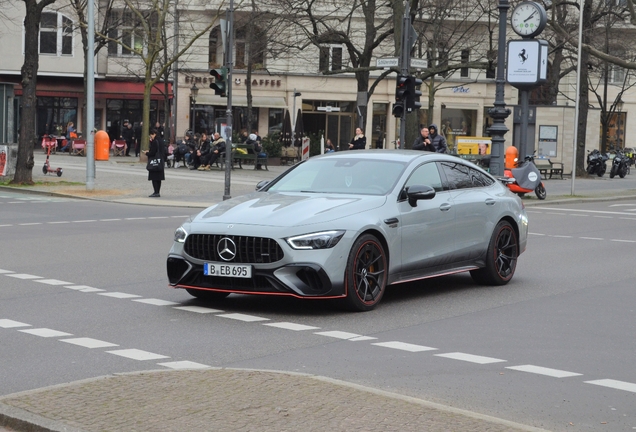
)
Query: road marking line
[
  {"x": 5, "y": 271},
  {"x": 45, "y": 332},
  {"x": 624, "y": 218},
  {"x": 338, "y": 334},
  {"x": 578, "y": 215},
  {"x": 52, "y": 282},
  {"x": 119, "y": 295},
  {"x": 30, "y": 223},
  {"x": 90, "y": 290},
  {"x": 59, "y": 222},
  {"x": 79, "y": 287},
  {"x": 604, "y": 217},
  {"x": 6, "y": 225},
  {"x": 537, "y": 234},
  {"x": 7, "y": 323},
  {"x": 136, "y": 218},
  {"x": 363, "y": 338},
  {"x": 243, "y": 317},
  {"x": 185, "y": 364},
  {"x": 470, "y": 358},
  {"x": 619, "y": 385},
  {"x": 404, "y": 346},
  {"x": 583, "y": 211},
  {"x": 557, "y": 214},
  {"x": 24, "y": 276},
  {"x": 198, "y": 309},
  {"x": 180, "y": 216},
  {"x": 158, "y": 217},
  {"x": 623, "y": 241},
  {"x": 89, "y": 342},
  {"x": 82, "y": 221},
  {"x": 543, "y": 371},
  {"x": 292, "y": 326},
  {"x": 591, "y": 238},
  {"x": 137, "y": 354},
  {"x": 109, "y": 220},
  {"x": 560, "y": 236},
  {"x": 156, "y": 302},
  {"x": 16, "y": 202}
]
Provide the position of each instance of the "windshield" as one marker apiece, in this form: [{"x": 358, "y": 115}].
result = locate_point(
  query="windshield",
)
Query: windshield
[{"x": 345, "y": 176}]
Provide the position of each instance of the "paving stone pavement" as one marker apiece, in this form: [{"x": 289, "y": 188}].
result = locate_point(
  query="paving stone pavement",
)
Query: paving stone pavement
[{"x": 230, "y": 399}]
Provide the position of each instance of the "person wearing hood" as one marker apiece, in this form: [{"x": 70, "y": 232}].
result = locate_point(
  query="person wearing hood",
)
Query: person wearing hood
[{"x": 438, "y": 141}]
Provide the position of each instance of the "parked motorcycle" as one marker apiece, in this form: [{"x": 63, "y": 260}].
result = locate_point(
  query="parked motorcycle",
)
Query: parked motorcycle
[
  {"x": 527, "y": 178},
  {"x": 596, "y": 163},
  {"x": 620, "y": 165}
]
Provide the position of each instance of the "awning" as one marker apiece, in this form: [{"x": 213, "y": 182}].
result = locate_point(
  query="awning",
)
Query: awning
[
  {"x": 257, "y": 101},
  {"x": 129, "y": 90}
]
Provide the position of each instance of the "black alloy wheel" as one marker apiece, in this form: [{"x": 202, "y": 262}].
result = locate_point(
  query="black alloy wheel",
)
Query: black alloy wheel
[
  {"x": 366, "y": 274},
  {"x": 541, "y": 192},
  {"x": 501, "y": 258}
]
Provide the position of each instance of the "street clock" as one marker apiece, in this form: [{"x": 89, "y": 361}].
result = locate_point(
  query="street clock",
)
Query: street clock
[{"x": 528, "y": 19}]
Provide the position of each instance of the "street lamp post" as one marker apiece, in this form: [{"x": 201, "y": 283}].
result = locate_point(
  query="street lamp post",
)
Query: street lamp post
[
  {"x": 296, "y": 94},
  {"x": 499, "y": 113},
  {"x": 194, "y": 92},
  {"x": 620, "y": 142}
]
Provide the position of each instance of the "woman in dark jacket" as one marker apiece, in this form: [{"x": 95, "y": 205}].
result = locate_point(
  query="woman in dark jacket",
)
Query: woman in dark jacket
[
  {"x": 358, "y": 142},
  {"x": 156, "y": 150}
]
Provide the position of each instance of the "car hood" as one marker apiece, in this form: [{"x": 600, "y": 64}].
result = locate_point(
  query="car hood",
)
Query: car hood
[{"x": 287, "y": 209}]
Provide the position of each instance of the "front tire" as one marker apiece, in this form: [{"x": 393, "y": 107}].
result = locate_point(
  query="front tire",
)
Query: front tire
[
  {"x": 44, "y": 169},
  {"x": 501, "y": 258},
  {"x": 613, "y": 172},
  {"x": 541, "y": 192},
  {"x": 207, "y": 295},
  {"x": 622, "y": 172},
  {"x": 366, "y": 274}
]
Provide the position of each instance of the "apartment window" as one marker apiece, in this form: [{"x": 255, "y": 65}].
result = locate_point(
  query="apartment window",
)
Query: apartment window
[
  {"x": 126, "y": 32},
  {"x": 252, "y": 42},
  {"x": 56, "y": 34},
  {"x": 330, "y": 58},
  {"x": 464, "y": 72},
  {"x": 616, "y": 74}
]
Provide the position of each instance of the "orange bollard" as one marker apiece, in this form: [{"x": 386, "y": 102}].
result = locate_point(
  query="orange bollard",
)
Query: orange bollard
[
  {"x": 102, "y": 145},
  {"x": 511, "y": 157}
]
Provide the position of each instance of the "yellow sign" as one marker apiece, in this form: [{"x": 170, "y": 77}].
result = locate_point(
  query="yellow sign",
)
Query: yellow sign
[{"x": 473, "y": 145}]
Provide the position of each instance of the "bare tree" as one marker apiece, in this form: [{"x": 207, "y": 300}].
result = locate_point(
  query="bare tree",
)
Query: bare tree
[
  {"x": 25, "y": 163},
  {"x": 156, "y": 53}
]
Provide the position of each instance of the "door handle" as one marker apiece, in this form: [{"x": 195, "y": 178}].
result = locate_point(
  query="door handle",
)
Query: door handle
[
  {"x": 445, "y": 207},
  {"x": 491, "y": 201}
]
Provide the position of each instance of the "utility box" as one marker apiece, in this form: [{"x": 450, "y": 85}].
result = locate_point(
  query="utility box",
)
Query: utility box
[{"x": 8, "y": 145}]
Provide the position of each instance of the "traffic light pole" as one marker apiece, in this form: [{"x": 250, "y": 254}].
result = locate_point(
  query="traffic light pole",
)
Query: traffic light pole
[
  {"x": 405, "y": 60},
  {"x": 228, "y": 113}
]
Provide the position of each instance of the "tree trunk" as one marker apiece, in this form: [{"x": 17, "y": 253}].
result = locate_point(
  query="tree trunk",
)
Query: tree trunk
[{"x": 28, "y": 135}]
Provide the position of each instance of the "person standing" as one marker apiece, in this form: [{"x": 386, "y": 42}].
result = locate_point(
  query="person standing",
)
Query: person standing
[
  {"x": 128, "y": 134},
  {"x": 438, "y": 141},
  {"x": 423, "y": 142},
  {"x": 358, "y": 142},
  {"x": 156, "y": 151}
]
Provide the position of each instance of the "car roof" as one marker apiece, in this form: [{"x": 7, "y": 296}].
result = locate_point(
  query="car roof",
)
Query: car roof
[{"x": 390, "y": 155}]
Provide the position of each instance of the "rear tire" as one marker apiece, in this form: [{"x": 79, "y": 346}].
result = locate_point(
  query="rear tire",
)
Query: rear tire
[
  {"x": 207, "y": 295},
  {"x": 601, "y": 172},
  {"x": 541, "y": 192},
  {"x": 622, "y": 172},
  {"x": 44, "y": 169},
  {"x": 613, "y": 172},
  {"x": 366, "y": 274},
  {"x": 59, "y": 172},
  {"x": 501, "y": 257}
]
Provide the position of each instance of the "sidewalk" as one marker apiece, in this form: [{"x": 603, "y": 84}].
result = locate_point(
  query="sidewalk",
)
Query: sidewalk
[{"x": 229, "y": 399}]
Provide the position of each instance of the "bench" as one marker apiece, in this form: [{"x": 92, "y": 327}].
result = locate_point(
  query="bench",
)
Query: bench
[
  {"x": 249, "y": 157},
  {"x": 547, "y": 168}
]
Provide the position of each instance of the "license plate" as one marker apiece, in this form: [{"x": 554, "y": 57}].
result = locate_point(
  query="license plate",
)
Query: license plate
[{"x": 227, "y": 270}]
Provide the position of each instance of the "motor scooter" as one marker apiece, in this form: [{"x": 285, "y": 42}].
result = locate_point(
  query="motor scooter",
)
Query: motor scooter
[
  {"x": 47, "y": 165},
  {"x": 527, "y": 178}
]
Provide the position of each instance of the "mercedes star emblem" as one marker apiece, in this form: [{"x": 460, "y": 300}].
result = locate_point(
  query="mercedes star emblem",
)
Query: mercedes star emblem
[{"x": 226, "y": 248}]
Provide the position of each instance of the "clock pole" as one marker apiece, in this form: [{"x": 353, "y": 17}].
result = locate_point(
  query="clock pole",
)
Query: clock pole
[{"x": 499, "y": 113}]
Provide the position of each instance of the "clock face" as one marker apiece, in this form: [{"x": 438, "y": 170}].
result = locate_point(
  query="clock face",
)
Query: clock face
[{"x": 528, "y": 19}]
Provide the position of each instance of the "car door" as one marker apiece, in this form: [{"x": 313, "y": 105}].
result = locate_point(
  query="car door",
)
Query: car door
[
  {"x": 475, "y": 208},
  {"x": 427, "y": 230}
]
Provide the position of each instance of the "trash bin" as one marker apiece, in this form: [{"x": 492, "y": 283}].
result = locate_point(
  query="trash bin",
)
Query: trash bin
[
  {"x": 512, "y": 155},
  {"x": 102, "y": 145}
]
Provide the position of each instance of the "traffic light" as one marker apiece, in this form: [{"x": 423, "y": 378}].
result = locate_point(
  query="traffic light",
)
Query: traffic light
[
  {"x": 413, "y": 94},
  {"x": 401, "y": 88},
  {"x": 398, "y": 109},
  {"x": 220, "y": 81}
]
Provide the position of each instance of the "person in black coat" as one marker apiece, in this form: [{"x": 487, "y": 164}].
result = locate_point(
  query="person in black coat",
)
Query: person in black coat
[
  {"x": 156, "y": 150},
  {"x": 423, "y": 142},
  {"x": 358, "y": 142}
]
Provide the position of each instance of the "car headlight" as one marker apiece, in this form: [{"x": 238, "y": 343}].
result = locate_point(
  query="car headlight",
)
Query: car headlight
[
  {"x": 319, "y": 240},
  {"x": 180, "y": 235}
]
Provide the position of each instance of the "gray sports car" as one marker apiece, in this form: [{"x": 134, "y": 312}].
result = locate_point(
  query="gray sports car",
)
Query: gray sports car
[{"x": 346, "y": 225}]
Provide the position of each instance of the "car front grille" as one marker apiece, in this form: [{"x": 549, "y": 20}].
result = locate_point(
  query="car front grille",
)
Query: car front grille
[{"x": 256, "y": 250}]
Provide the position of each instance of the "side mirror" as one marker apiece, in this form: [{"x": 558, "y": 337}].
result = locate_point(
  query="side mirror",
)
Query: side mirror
[
  {"x": 261, "y": 184},
  {"x": 419, "y": 192}
]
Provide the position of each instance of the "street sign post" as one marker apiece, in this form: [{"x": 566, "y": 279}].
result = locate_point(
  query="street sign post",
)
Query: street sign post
[
  {"x": 387, "y": 62},
  {"x": 419, "y": 63}
]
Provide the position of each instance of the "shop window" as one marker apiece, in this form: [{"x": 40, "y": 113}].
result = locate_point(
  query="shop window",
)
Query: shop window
[
  {"x": 330, "y": 58},
  {"x": 56, "y": 34},
  {"x": 275, "y": 123},
  {"x": 54, "y": 113},
  {"x": 457, "y": 122}
]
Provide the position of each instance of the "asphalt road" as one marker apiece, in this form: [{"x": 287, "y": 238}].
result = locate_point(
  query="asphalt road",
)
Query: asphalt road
[{"x": 553, "y": 349}]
